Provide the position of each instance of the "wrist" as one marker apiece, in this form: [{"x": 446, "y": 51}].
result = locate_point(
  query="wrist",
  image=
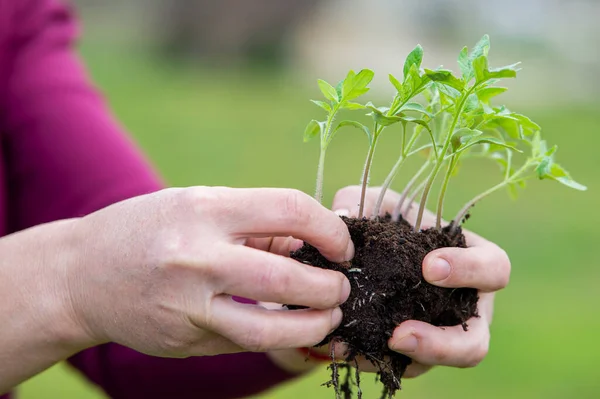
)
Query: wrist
[{"x": 48, "y": 277}]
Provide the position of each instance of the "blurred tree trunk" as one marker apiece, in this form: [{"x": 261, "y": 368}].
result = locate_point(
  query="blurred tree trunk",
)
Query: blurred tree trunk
[{"x": 230, "y": 31}]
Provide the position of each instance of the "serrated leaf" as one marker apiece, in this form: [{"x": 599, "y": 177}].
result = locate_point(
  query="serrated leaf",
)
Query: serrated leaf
[
  {"x": 328, "y": 91},
  {"x": 352, "y": 106},
  {"x": 487, "y": 93},
  {"x": 357, "y": 85},
  {"x": 338, "y": 88},
  {"x": 462, "y": 136},
  {"x": 314, "y": 128},
  {"x": 445, "y": 76},
  {"x": 482, "y": 47},
  {"x": 448, "y": 91},
  {"x": 395, "y": 82},
  {"x": 416, "y": 107},
  {"x": 415, "y": 57},
  {"x": 357, "y": 125},
  {"x": 465, "y": 64},
  {"x": 322, "y": 104}
]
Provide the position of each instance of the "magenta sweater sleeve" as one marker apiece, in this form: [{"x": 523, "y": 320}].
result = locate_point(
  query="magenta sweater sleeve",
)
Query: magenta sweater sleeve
[{"x": 64, "y": 157}]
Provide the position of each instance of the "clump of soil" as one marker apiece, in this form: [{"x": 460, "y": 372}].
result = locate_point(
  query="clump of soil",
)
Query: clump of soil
[{"x": 387, "y": 289}]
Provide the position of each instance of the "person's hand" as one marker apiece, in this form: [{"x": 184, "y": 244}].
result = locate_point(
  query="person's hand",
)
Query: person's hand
[
  {"x": 483, "y": 265},
  {"x": 157, "y": 273}
]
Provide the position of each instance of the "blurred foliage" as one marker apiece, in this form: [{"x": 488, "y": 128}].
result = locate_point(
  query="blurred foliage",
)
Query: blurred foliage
[{"x": 214, "y": 127}]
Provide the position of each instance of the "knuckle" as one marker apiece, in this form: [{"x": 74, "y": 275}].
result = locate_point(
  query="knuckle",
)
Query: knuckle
[
  {"x": 274, "y": 281},
  {"x": 293, "y": 206}
]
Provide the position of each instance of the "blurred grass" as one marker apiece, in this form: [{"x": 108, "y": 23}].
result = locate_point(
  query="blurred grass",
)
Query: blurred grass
[{"x": 210, "y": 127}]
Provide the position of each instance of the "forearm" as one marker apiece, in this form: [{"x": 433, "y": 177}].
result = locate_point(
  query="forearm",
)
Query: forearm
[{"x": 37, "y": 330}]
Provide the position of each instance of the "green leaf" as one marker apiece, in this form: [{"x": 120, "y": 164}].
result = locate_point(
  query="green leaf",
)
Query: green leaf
[
  {"x": 322, "y": 104},
  {"x": 529, "y": 126},
  {"x": 465, "y": 64},
  {"x": 357, "y": 86},
  {"x": 448, "y": 91},
  {"x": 543, "y": 168},
  {"x": 313, "y": 129},
  {"x": 396, "y": 83},
  {"x": 482, "y": 47},
  {"x": 513, "y": 191},
  {"x": 412, "y": 85},
  {"x": 487, "y": 93},
  {"x": 382, "y": 119},
  {"x": 509, "y": 71},
  {"x": 472, "y": 103},
  {"x": 480, "y": 67},
  {"x": 328, "y": 91},
  {"x": 445, "y": 76},
  {"x": 352, "y": 106},
  {"x": 414, "y": 107},
  {"x": 559, "y": 174},
  {"x": 461, "y": 136},
  {"x": 338, "y": 88},
  {"x": 357, "y": 125},
  {"x": 415, "y": 57}
]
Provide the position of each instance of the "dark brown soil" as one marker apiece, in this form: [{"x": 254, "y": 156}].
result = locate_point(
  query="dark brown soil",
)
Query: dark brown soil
[{"x": 387, "y": 289}]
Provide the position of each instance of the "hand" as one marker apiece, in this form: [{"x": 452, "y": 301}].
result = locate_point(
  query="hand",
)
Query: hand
[
  {"x": 157, "y": 273},
  {"x": 483, "y": 265}
]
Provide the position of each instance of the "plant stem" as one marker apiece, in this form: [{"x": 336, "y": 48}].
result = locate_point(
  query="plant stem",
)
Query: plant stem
[
  {"x": 462, "y": 213},
  {"x": 411, "y": 199},
  {"x": 440, "y": 208},
  {"x": 320, "y": 172},
  {"x": 440, "y": 158},
  {"x": 324, "y": 145},
  {"x": 365, "y": 178},
  {"x": 398, "y": 210}
]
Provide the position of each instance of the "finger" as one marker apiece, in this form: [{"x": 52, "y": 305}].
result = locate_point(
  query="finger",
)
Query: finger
[
  {"x": 267, "y": 277},
  {"x": 284, "y": 212},
  {"x": 448, "y": 346},
  {"x": 484, "y": 266},
  {"x": 416, "y": 369},
  {"x": 346, "y": 203},
  {"x": 257, "y": 329},
  {"x": 347, "y": 200}
]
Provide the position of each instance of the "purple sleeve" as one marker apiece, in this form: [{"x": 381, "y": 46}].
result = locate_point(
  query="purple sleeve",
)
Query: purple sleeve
[{"x": 67, "y": 157}]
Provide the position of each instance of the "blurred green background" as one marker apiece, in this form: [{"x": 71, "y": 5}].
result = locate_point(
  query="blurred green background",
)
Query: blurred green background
[{"x": 240, "y": 124}]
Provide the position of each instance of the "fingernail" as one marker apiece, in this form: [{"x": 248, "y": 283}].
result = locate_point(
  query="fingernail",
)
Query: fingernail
[
  {"x": 336, "y": 318},
  {"x": 408, "y": 343},
  {"x": 349, "y": 251},
  {"x": 342, "y": 212},
  {"x": 438, "y": 269},
  {"x": 345, "y": 290}
]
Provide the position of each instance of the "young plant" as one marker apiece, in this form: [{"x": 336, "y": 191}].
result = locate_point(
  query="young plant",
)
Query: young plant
[
  {"x": 339, "y": 97},
  {"x": 461, "y": 124}
]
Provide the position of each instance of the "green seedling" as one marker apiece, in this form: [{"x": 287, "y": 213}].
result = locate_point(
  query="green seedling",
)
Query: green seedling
[{"x": 448, "y": 118}]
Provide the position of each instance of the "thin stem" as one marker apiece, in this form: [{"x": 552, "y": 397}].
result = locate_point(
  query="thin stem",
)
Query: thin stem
[
  {"x": 409, "y": 186},
  {"x": 411, "y": 199},
  {"x": 324, "y": 144},
  {"x": 440, "y": 158},
  {"x": 320, "y": 172},
  {"x": 390, "y": 177},
  {"x": 365, "y": 178},
  {"x": 442, "y": 196},
  {"x": 512, "y": 179}
]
